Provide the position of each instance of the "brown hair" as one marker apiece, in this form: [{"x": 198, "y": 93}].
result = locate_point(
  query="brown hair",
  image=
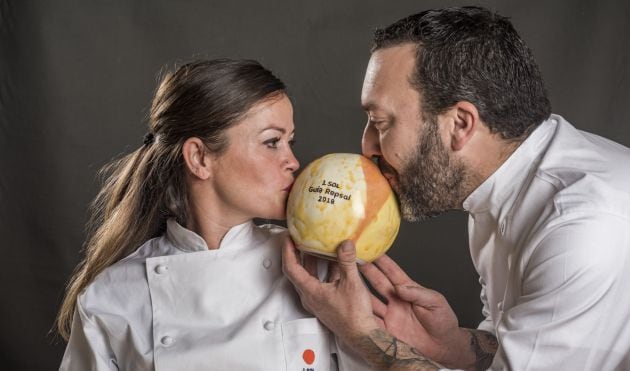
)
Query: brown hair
[
  {"x": 146, "y": 187},
  {"x": 472, "y": 54}
]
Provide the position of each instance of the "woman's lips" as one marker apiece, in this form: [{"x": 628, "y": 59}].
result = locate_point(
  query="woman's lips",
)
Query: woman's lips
[{"x": 288, "y": 188}]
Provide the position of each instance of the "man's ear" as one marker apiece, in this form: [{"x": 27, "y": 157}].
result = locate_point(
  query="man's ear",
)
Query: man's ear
[
  {"x": 465, "y": 122},
  {"x": 196, "y": 158}
]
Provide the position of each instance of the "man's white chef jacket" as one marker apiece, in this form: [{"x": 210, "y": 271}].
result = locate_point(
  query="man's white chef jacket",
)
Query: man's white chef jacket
[
  {"x": 175, "y": 305},
  {"x": 550, "y": 238}
]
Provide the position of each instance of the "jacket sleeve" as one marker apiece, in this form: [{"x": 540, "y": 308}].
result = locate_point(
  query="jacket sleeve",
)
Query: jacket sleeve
[{"x": 88, "y": 347}]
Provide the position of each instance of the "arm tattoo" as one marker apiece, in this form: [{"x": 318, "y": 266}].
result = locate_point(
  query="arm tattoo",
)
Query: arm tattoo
[
  {"x": 388, "y": 353},
  {"x": 483, "y": 345}
]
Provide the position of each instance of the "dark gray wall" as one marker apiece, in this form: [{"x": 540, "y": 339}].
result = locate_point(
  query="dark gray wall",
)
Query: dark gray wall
[{"x": 76, "y": 78}]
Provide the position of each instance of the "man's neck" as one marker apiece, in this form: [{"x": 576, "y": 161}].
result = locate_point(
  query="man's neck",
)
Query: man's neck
[{"x": 491, "y": 154}]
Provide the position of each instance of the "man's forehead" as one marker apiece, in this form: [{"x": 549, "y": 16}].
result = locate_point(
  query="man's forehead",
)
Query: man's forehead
[
  {"x": 395, "y": 62},
  {"x": 389, "y": 70},
  {"x": 398, "y": 58}
]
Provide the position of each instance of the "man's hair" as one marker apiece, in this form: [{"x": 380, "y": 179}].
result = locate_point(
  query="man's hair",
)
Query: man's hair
[{"x": 471, "y": 54}]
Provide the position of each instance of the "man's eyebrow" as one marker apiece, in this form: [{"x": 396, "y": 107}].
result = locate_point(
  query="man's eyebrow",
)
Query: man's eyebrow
[
  {"x": 370, "y": 106},
  {"x": 373, "y": 106}
]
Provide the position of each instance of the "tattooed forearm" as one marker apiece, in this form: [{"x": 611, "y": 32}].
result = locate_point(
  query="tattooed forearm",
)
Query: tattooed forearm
[
  {"x": 484, "y": 345},
  {"x": 388, "y": 353}
]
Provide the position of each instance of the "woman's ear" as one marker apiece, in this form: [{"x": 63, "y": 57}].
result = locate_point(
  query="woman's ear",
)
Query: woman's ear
[
  {"x": 465, "y": 121},
  {"x": 196, "y": 158}
]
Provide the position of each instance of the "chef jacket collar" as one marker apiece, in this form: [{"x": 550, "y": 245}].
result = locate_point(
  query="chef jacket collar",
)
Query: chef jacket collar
[
  {"x": 500, "y": 190},
  {"x": 189, "y": 241}
]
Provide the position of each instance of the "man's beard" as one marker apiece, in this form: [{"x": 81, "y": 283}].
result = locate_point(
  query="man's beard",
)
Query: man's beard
[{"x": 431, "y": 182}]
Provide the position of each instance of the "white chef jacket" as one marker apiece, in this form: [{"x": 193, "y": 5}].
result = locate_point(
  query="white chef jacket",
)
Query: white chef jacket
[
  {"x": 176, "y": 305},
  {"x": 550, "y": 238}
]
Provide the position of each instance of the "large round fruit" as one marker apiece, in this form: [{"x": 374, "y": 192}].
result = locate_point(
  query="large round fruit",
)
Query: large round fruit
[{"x": 338, "y": 197}]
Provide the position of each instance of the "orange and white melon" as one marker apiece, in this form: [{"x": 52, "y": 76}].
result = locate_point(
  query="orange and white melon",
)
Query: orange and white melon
[{"x": 338, "y": 197}]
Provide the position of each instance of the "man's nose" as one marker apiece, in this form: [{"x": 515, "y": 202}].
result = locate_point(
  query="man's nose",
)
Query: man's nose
[{"x": 370, "y": 145}]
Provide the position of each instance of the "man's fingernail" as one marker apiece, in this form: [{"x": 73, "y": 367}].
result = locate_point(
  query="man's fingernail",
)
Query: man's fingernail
[{"x": 346, "y": 246}]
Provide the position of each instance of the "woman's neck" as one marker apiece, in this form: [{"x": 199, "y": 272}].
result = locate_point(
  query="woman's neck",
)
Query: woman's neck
[
  {"x": 211, "y": 225},
  {"x": 210, "y": 217}
]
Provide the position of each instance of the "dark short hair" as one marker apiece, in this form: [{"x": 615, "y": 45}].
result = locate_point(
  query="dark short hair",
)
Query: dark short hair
[{"x": 471, "y": 54}]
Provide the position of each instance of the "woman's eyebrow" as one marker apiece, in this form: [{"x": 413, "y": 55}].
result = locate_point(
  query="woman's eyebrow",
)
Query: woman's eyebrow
[{"x": 273, "y": 127}]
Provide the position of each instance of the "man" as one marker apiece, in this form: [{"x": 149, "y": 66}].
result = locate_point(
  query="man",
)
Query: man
[{"x": 458, "y": 118}]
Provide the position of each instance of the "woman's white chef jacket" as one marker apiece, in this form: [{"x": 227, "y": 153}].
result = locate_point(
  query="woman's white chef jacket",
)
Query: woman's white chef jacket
[{"x": 176, "y": 305}]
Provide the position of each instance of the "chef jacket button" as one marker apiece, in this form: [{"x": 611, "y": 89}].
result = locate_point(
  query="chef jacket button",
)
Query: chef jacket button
[
  {"x": 161, "y": 269},
  {"x": 167, "y": 341},
  {"x": 269, "y": 325},
  {"x": 267, "y": 263}
]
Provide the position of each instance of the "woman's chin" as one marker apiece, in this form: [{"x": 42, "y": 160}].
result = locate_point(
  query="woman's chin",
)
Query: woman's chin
[{"x": 280, "y": 215}]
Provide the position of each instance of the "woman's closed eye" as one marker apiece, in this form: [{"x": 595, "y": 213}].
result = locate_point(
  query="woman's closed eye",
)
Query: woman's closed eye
[{"x": 272, "y": 142}]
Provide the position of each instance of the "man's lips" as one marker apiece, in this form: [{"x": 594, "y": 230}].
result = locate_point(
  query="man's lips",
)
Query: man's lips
[
  {"x": 390, "y": 177},
  {"x": 288, "y": 188},
  {"x": 388, "y": 172}
]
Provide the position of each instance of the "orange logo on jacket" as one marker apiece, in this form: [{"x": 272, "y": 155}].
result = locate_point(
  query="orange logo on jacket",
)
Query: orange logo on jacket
[{"x": 309, "y": 357}]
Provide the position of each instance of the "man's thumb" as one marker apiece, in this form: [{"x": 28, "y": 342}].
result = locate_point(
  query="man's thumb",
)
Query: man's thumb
[{"x": 346, "y": 258}]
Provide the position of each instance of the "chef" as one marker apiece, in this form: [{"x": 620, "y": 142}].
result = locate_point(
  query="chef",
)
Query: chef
[{"x": 205, "y": 289}]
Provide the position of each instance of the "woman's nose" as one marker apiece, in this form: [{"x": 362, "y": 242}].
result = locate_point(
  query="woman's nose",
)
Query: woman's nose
[{"x": 292, "y": 162}]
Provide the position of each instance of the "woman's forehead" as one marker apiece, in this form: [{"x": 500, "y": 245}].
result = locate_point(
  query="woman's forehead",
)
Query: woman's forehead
[{"x": 276, "y": 114}]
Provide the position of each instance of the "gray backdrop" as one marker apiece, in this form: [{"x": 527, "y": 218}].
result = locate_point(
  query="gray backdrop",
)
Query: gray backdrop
[{"x": 76, "y": 78}]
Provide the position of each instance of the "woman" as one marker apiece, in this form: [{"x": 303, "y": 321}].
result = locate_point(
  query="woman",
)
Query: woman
[{"x": 204, "y": 291}]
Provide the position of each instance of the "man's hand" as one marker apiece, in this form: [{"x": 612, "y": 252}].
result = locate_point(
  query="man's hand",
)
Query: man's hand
[
  {"x": 423, "y": 319},
  {"x": 343, "y": 304},
  {"x": 416, "y": 315}
]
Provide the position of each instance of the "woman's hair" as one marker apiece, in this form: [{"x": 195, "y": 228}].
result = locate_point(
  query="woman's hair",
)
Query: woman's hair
[
  {"x": 144, "y": 188},
  {"x": 471, "y": 54}
]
